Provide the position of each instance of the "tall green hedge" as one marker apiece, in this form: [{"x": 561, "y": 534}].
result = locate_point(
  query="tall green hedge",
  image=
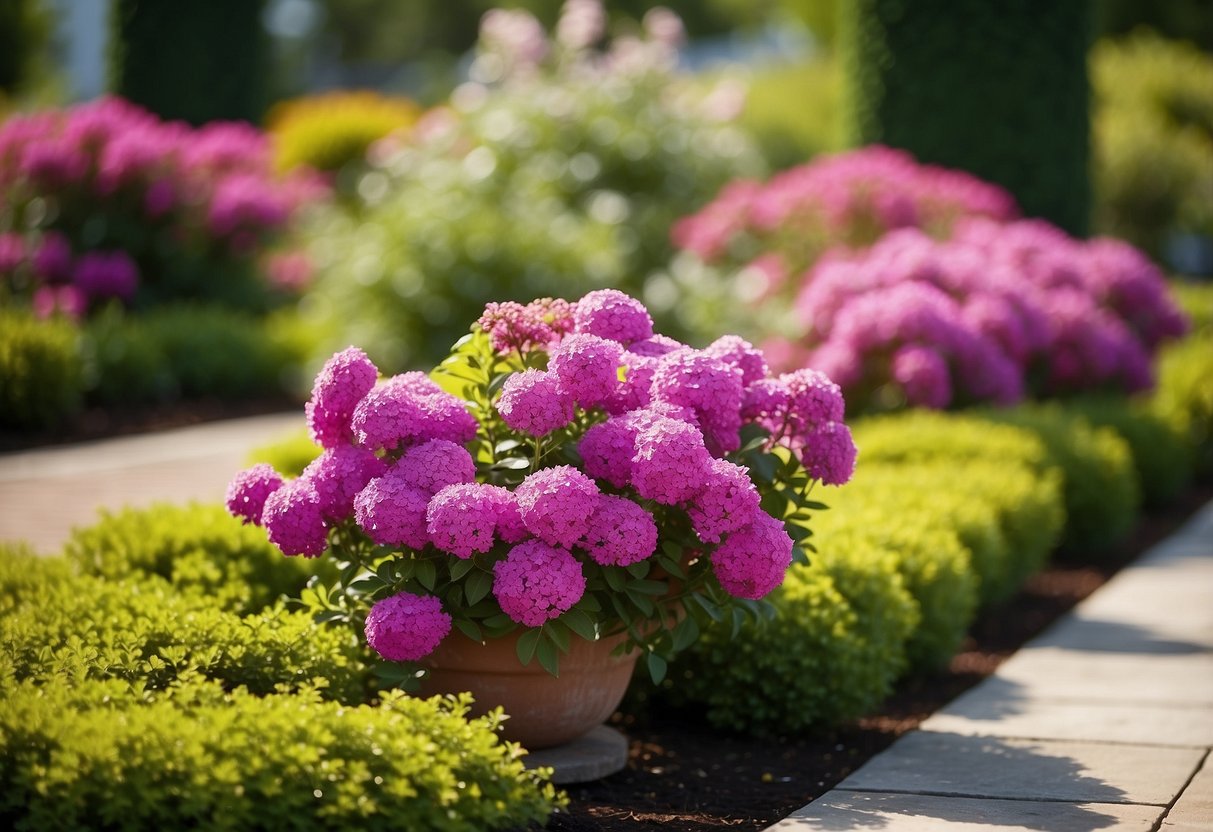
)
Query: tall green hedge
[
  {"x": 998, "y": 89},
  {"x": 195, "y": 60}
]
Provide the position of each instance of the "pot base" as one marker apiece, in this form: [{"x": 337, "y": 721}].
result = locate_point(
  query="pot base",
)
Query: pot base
[{"x": 600, "y": 753}]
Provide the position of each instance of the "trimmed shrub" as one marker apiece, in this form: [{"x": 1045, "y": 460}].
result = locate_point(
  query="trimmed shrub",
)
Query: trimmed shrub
[
  {"x": 143, "y": 632},
  {"x": 333, "y": 130},
  {"x": 1102, "y": 497},
  {"x": 196, "y": 60},
  {"x": 999, "y": 90},
  {"x": 200, "y": 549},
  {"x": 934, "y": 565},
  {"x": 831, "y": 653},
  {"x": 1184, "y": 396},
  {"x": 40, "y": 372},
  {"x": 1162, "y": 458},
  {"x": 98, "y": 756},
  {"x": 288, "y": 455},
  {"x": 792, "y": 135},
  {"x": 917, "y": 436},
  {"x": 1009, "y": 517}
]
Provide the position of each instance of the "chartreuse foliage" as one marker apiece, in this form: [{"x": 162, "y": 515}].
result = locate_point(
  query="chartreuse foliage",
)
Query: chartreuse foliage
[
  {"x": 104, "y": 755},
  {"x": 289, "y": 454},
  {"x": 832, "y": 652},
  {"x": 200, "y": 549},
  {"x": 1184, "y": 395},
  {"x": 1100, "y": 489},
  {"x": 127, "y": 704},
  {"x": 931, "y": 436},
  {"x": 40, "y": 372}
]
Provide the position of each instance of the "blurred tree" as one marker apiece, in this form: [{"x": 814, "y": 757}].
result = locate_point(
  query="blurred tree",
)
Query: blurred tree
[
  {"x": 195, "y": 60},
  {"x": 1190, "y": 20},
  {"x": 997, "y": 89},
  {"x": 24, "y": 29}
]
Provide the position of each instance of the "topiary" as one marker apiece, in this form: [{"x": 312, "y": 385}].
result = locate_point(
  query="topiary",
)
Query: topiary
[
  {"x": 998, "y": 90},
  {"x": 200, "y": 549},
  {"x": 831, "y": 653},
  {"x": 40, "y": 371}
]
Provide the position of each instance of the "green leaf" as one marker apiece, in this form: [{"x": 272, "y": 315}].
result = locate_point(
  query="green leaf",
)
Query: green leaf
[
  {"x": 614, "y": 578},
  {"x": 709, "y": 606},
  {"x": 558, "y": 634},
  {"x": 657, "y": 667},
  {"x": 469, "y": 629},
  {"x": 511, "y": 463},
  {"x": 506, "y": 445},
  {"x": 527, "y": 644},
  {"x": 548, "y": 657},
  {"x": 648, "y": 587},
  {"x": 478, "y": 585},
  {"x": 764, "y": 466},
  {"x": 366, "y": 585},
  {"x": 426, "y": 574},
  {"x": 739, "y": 617},
  {"x": 639, "y": 570},
  {"x": 580, "y": 623},
  {"x": 461, "y": 567},
  {"x": 686, "y": 633}
]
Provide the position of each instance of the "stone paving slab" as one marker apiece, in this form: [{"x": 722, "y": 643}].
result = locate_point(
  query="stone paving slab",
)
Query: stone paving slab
[
  {"x": 1127, "y": 678},
  {"x": 992, "y": 709},
  {"x": 1078, "y": 772},
  {"x": 46, "y": 493},
  {"x": 846, "y": 810},
  {"x": 1193, "y": 812}
]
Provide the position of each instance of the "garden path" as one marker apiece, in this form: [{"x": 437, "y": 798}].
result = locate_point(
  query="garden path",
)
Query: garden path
[
  {"x": 45, "y": 493},
  {"x": 1105, "y": 721}
]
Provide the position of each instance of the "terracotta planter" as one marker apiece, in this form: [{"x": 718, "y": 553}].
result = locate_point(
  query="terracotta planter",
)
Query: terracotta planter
[{"x": 544, "y": 710}]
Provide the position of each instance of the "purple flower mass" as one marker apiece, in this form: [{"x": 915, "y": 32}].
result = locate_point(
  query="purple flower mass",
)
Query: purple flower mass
[
  {"x": 752, "y": 561},
  {"x": 392, "y": 512},
  {"x": 406, "y": 627},
  {"x": 409, "y": 409},
  {"x": 338, "y": 475},
  {"x": 248, "y": 491},
  {"x": 620, "y": 533},
  {"x": 587, "y": 367},
  {"x": 294, "y": 521},
  {"x": 537, "y": 582},
  {"x": 727, "y": 501},
  {"x": 340, "y": 385},
  {"x": 535, "y": 403},
  {"x": 556, "y": 504},
  {"x": 460, "y": 519},
  {"x": 609, "y": 313},
  {"x": 433, "y": 465},
  {"x": 670, "y": 462}
]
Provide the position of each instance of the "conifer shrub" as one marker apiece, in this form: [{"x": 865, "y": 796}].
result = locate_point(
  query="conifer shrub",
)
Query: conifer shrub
[{"x": 199, "y": 548}]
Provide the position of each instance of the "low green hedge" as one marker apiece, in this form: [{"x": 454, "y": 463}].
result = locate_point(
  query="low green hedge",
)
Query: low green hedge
[
  {"x": 289, "y": 454},
  {"x": 143, "y": 632},
  {"x": 40, "y": 372},
  {"x": 101, "y": 756},
  {"x": 832, "y": 652},
  {"x": 200, "y": 549},
  {"x": 1099, "y": 485},
  {"x": 913, "y": 436},
  {"x": 1184, "y": 396}
]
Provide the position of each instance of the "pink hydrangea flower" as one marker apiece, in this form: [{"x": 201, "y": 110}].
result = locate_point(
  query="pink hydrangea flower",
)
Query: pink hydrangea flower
[
  {"x": 409, "y": 409},
  {"x": 406, "y": 627},
  {"x": 556, "y": 504},
  {"x": 607, "y": 449},
  {"x": 727, "y": 501},
  {"x": 609, "y": 313},
  {"x": 248, "y": 491},
  {"x": 752, "y": 561},
  {"x": 392, "y": 512},
  {"x": 656, "y": 346},
  {"x": 514, "y": 327},
  {"x": 829, "y": 453},
  {"x": 460, "y": 519},
  {"x": 106, "y": 274},
  {"x": 621, "y": 532},
  {"x": 535, "y": 403},
  {"x": 633, "y": 393},
  {"x": 923, "y": 374},
  {"x": 294, "y": 521},
  {"x": 812, "y": 399},
  {"x": 507, "y": 515},
  {"x": 537, "y": 582},
  {"x": 670, "y": 462},
  {"x": 587, "y": 367},
  {"x": 339, "y": 474},
  {"x": 708, "y": 386},
  {"x": 433, "y": 465},
  {"x": 340, "y": 385},
  {"x": 740, "y": 353}
]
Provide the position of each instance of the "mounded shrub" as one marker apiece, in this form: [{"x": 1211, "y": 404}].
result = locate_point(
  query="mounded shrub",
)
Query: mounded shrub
[
  {"x": 936, "y": 568},
  {"x": 288, "y": 455},
  {"x": 1184, "y": 395},
  {"x": 831, "y": 653},
  {"x": 333, "y": 130},
  {"x": 97, "y": 756},
  {"x": 928, "y": 436},
  {"x": 1102, "y": 497},
  {"x": 200, "y": 549},
  {"x": 1162, "y": 459},
  {"x": 40, "y": 372},
  {"x": 143, "y": 632}
]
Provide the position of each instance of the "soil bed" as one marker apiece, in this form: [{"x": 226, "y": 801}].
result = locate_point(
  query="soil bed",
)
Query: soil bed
[{"x": 684, "y": 776}]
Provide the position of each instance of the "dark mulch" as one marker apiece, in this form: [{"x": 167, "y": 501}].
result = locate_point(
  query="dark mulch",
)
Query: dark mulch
[{"x": 684, "y": 776}]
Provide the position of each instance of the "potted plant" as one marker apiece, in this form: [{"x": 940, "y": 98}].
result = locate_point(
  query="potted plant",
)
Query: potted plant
[{"x": 567, "y": 486}]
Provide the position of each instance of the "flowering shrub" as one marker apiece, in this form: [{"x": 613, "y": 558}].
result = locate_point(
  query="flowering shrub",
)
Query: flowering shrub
[
  {"x": 561, "y": 164},
  {"x": 995, "y": 313},
  {"x": 850, "y": 199},
  {"x": 565, "y": 469},
  {"x": 105, "y": 202}
]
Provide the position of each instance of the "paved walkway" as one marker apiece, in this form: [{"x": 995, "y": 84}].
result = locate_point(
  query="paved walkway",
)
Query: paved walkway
[
  {"x": 1103, "y": 722},
  {"x": 45, "y": 493}
]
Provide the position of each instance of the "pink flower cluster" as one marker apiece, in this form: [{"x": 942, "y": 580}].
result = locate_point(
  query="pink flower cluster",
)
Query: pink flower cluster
[
  {"x": 996, "y": 312},
  {"x": 210, "y": 190},
  {"x": 396, "y": 465},
  {"x": 850, "y": 198}
]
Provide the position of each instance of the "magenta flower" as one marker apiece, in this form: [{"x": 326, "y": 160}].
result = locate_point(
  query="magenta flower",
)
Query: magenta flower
[
  {"x": 670, "y": 462},
  {"x": 392, "y": 512},
  {"x": 587, "y": 367},
  {"x": 609, "y": 313},
  {"x": 340, "y": 385},
  {"x": 339, "y": 474},
  {"x": 248, "y": 491},
  {"x": 460, "y": 519},
  {"x": 294, "y": 521},
  {"x": 620, "y": 532},
  {"x": 829, "y": 453},
  {"x": 406, "y": 627},
  {"x": 752, "y": 561},
  {"x": 727, "y": 501},
  {"x": 433, "y": 465},
  {"x": 556, "y": 504},
  {"x": 535, "y": 403},
  {"x": 537, "y": 582}
]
